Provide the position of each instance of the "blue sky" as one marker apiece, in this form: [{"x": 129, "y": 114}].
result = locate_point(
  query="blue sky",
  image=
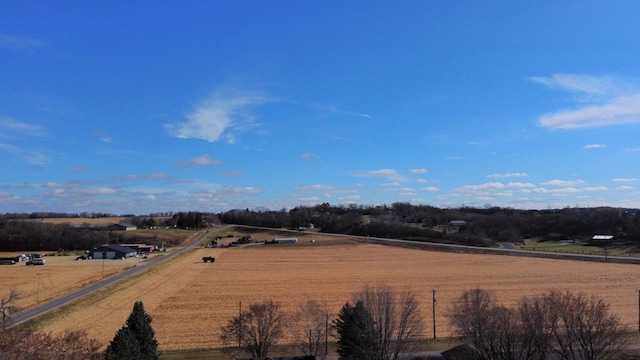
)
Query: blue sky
[{"x": 150, "y": 106}]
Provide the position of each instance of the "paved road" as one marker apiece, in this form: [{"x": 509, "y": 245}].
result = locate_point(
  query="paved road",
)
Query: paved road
[{"x": 54, "y": 304}]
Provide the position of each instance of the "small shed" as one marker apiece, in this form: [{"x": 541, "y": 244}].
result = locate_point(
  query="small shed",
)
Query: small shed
[{"x": 112, "y": 251}]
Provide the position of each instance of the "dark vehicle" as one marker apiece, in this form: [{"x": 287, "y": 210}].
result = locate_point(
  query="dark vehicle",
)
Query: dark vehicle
[
  {"x": 208, "y": 259},
  {"x": 35, "y": 261}
]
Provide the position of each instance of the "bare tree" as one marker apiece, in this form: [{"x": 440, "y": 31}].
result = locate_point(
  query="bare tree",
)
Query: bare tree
[
  {"x": 582, "y": 327},
  {"x": 29, "y": 343},
  {"x": 7, "y": 307},
  {"x": 257, "y": 329},
  {"x": 308, "y": 326},
  {"x": 489, "y": 326},
  {"x": 536, "y": 333},
  {"x": 396, "y": 318},
  {"x": 569, "y": 326}
]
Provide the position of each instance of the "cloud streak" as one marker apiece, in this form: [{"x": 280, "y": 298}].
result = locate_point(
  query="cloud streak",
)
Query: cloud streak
[
  {"x": 605, "y": 101},
  {"x": 203, "y": 160}
]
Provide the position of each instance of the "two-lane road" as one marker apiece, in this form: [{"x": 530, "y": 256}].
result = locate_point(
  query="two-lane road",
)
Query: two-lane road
[{"x": 54, "y": 304}]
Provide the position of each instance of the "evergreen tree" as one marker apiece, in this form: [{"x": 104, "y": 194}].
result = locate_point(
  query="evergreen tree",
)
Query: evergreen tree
[
  {"x": 356, "y": 333},
  {"x": 124, "y": 346},
  {"x": 136, "y": 339}
]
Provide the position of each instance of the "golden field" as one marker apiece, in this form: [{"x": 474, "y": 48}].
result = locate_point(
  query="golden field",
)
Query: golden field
[{"x": 190, "y": 300}]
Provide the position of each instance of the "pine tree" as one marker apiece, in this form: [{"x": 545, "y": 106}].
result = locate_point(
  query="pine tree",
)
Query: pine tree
[
  {"x": 356, "y": 333},
  {"x": 136, "y": 339},
  {"x": 124, "y": 346}
]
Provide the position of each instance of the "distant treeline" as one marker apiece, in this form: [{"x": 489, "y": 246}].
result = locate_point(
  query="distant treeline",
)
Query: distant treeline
[
  {"x": 482, "y": 226},
  {"x": 21, "y": 232},
  {"x": 428, "y": 223}
]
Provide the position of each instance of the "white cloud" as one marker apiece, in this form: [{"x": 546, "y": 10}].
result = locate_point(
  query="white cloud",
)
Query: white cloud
[
  {"x": 556, "y": 182},
  {"x": 625, "y": 180},
  {"x": 390, "y": 174},
  {"x": 506, "y": 175},
  {"x": 520, "y": 185},
  {"x": 430, "y": 189},
  {"x": 606, "y": 102},
  {"x": 202, "y": 160},
  {"x": 594, "y": 146},
  {"x": 315, "y": 187},
  {"x": 308, "y": 156},
  {"x": 580, "y": 83},
  {"x": 419, "y": 171},
  {"x": 482, "y": 187},
  {"x": 219, "y": 117},
  {"x": 619, "y": 111}
]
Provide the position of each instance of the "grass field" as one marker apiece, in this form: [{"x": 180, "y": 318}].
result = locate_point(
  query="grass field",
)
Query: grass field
[{"x": 190, "y": 300}]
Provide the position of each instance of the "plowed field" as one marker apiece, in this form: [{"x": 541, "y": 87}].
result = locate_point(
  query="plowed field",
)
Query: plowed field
[{"x": 190, "y": 300}]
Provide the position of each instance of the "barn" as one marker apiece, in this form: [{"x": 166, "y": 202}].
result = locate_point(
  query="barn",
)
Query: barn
[{"x": 112, "y": 251}]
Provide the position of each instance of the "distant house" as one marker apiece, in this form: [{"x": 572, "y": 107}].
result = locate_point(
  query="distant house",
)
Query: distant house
[
  {"x": 454, "y": 226},
  {"x": 112, "y": 251},
  {"x": 456, "y": 223}
]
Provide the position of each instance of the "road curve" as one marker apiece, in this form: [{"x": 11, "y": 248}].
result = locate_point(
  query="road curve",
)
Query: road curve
[{"x": 56, "y": 303}]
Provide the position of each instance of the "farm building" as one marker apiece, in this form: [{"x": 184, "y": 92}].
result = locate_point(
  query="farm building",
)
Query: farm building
[
  {"x": 104, "y": 227},
  {"x": 112, "y": 251},
  {"x": 285, "y": 240},
  {"x": 601, "y": 239},
  {"x": 123, "y": 227},
  {"x": 141, "y": 248}
]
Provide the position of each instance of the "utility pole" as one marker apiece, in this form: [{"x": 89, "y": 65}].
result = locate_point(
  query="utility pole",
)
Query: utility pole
[
  {"x": 326, "y": 336},
  {"x": 240, "y": 327},
  {"x": 38, "y": 297},
  {"x": 434, "y": 314}
]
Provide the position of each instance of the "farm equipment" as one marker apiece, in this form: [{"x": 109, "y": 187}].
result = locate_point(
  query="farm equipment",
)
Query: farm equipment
[{"x": 210, "y": 259}]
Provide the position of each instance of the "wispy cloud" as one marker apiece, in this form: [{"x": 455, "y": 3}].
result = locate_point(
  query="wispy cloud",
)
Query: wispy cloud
[
  {"x": 625, "y": 180},
  {"x": 582, "y": 84},
  {"x": 507, "y": 175},
  {"x": 418, "y": 171},
  {"x": 594, "y": 146},
  {"x": 78, "y": 170},
  {"x": 430, "y": 189},
  {"x": 557, "y": 182},
  {"x": 391, "y": 174},
  {"x": 344, "y": 112},
  {"x": 22, "y": 44},
  {"x": 103, "y": 136},
  {"x": 220, "y": 117},
  {"x": 203, "y": 160},
  {"x": 154, "y": 176},
  {"x": 603, "y": 101},
  {"x": 24, "y": 128},
  {"x": 315, "y": 187}
]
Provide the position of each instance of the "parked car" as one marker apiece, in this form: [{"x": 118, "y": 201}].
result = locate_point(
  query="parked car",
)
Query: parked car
[{"x": 35, "y": 261}]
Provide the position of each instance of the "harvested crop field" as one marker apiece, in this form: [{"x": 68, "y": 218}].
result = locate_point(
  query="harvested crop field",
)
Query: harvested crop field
[
  {"x": 58, "y": 277},
  {"x": 190, "y": 300}
]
